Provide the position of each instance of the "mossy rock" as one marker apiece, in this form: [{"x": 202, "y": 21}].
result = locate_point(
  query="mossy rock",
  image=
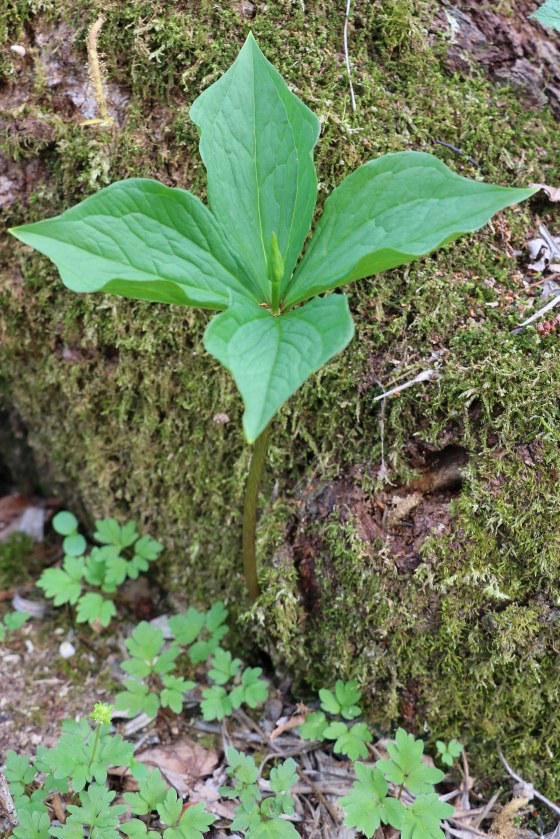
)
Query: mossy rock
[{"x": 440, "y": 594}]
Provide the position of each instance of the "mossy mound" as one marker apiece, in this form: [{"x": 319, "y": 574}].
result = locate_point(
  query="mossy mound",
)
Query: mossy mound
[{"x": 458, "y": 632}]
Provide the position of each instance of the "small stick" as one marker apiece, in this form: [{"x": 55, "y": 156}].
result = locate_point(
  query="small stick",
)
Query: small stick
[
  {"x": 320, "y": 797},
  {"x": 550, "y": 305},
  {"x": 468, "y": 827},
  {"x": 424, "y": 376},
  {"x": 459, "y": 152},
  {"x": 346, "y": 56},
  {"x": 520, "y": 780}
]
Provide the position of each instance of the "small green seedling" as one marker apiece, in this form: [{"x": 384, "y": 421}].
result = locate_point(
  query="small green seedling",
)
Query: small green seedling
[
  {"x": 349, "y": 740},
  {"x": 249, "y": 689},
  {"x": 449, "y": 752},
  {"x": 154, "y": 796},
  {"x": 122, "y": 554},
  {"x": 153, "y": 685},
  {"x": 549, "y": 14},
  {"x": 372, "y": 802},
  {"x": 201, "y": 632},
  {"x": 81, "y": 759},
  {"x": 11, "y": 622},
  {"x": 278, "y": 321},
  {"x": 261, "y": 818}
]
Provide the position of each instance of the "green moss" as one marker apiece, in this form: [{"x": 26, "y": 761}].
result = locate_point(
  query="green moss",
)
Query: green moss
[
  {"x": 17, "y": 558},
  {"x": 119, "y": 397}
]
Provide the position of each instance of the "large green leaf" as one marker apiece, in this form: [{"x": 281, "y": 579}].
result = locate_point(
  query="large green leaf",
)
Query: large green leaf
[
  {"x": 257, "y": 140},
  {"x": 388, "y": 212},
  {"x": 549, "y": 14},
  {"x": 140, "y": 239},
  {"x": 270, "y": 357}
]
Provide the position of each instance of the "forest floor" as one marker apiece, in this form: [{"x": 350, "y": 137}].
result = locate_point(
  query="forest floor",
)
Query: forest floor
[{"x": 55, "y": 670}]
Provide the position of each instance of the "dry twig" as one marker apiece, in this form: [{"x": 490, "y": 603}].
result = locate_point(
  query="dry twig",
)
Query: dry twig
[{"x": 516, "y": 777}]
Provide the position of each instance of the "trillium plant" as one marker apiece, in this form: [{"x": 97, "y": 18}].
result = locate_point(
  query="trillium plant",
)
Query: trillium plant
[{"x": 241, "y": 255}]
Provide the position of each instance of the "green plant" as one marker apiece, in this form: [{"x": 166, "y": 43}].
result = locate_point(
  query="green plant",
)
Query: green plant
[
  {"x": 150, "y": 661},
  {"x": 217, "y": 702},
  {"x": 11, "y": 622},
  {"x": 349, "y": 740},
  {"x": 151, "y": 664},
  {"x": 261, "y": 818},
  {"x": 449, "y": 752},
  {"x": 123, "y": 553},
  {"x": 140, "y": 239},
  {"x": 81, "y": 757},
  {"x": 370, "y": 802},
  {"x": 549, "y": 14}
]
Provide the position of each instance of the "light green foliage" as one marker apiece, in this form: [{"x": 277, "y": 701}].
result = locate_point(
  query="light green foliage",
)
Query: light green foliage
[
  {"x": 349, "y": 740},
  {"x": 423, "y": 817},
  {"x": 343, "y": 700},
  {"x": 83, "y": 755},
  {"x": 251, "y": 691},
  {"x": 194, "y": 822},
  {"x": 223, "y": 667},
  {"x": 406, "y": 766},
  {"x": 549, "y": 14},
  {"x": 448, "y": 752},
  {"x": 96, "y": 811},
  {"x": 241, "y": 255},
  {"x": 150, "y": 660},
  {"x": 259, "y": 817},
  {"x": 32, "y": 826},
  {"x": 66, "y": 524},
  {"x": 11, "y": 622},
  {"x": 369, "y": 802},
  {"x": 314, "y": 726},
  {"x": 19, "y": 772},
  {"x": 152, "y": 790},
  {"x": 217, "y": 702},
  {"x": 200, "y": 631},
  {"x": 123, "y": 554}
]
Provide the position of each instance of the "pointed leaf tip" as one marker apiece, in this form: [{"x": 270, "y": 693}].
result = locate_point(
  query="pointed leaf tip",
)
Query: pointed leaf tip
[
  {"x": 256, "y": 141},
  {"x": 270, "y": 357}
]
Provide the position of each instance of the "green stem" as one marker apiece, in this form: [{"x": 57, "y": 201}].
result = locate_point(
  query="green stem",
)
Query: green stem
[
  {"x": 95, "y": 745},
  {"x": 254, "y": 479}
]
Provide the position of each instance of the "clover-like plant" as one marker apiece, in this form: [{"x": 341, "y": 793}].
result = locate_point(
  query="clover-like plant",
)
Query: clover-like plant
[
  {"x": 123, "y": 553},
  {"x": 241, "y": 256}
]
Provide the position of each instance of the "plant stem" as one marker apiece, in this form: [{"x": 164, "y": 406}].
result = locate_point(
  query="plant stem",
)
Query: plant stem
[
  {"x": 95, "y": 744},
  {"x": 254, "y": 479}
]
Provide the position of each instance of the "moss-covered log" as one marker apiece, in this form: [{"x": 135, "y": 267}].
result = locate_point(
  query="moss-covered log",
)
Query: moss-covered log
[{"x": 434, "y": 576}]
